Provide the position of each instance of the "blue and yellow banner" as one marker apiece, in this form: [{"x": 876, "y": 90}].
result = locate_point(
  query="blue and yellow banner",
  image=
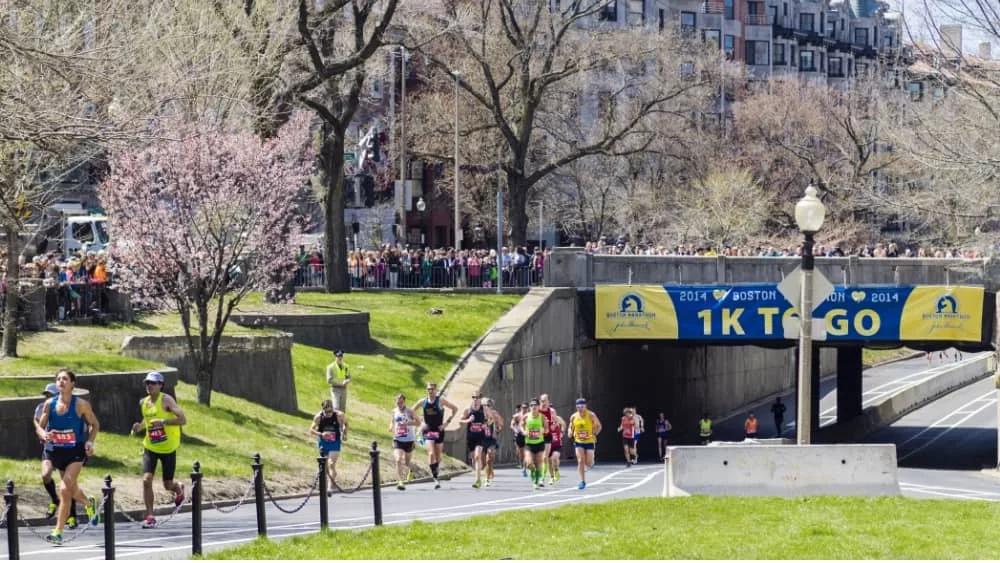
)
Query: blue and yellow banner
[{"x": 760, "y": 312}]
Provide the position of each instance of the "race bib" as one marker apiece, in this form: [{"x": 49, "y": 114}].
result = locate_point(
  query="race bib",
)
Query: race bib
[
  {"x": 488, "y": 432},
  {"x": 431, "y": 435},
  {"x": 329, "y": 436},
  {"x": 63, "y": 438},
  {"x": 534, "y": 434},
  {"x": 476, "y": 427},
  {"x": 627, "y": 434},
  {"x": 582, "y": 435},
  {"x": 401, "y": 430},
  {"x": 157, "y": 434}
]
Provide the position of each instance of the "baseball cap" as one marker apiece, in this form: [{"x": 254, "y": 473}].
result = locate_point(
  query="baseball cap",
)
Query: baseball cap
[
  {"x": 581, "y": 402},
  {"x": 154, "y": 377},
  {"x": 51, "y": 389},
  {"x": 339, "y": 353}
]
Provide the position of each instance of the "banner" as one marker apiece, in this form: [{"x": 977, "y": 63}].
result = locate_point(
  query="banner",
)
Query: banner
[{"x": 760, "y": 312}]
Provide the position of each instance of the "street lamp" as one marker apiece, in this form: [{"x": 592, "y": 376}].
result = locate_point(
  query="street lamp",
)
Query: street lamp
[
  {"x": 421, "y": 207},
  {"x": 458, "y": 218},
  {"x": 809, "y": 215}
]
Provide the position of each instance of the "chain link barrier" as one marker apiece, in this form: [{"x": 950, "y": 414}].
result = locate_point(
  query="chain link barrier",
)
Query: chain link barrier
[
  {"x": 361, "y": 483},
  {"x": 168, "y": 518},
  {"x": 239, "y": 503},
  {"x": 70, "y": 537},
  {"x": 301, "y": 505}
]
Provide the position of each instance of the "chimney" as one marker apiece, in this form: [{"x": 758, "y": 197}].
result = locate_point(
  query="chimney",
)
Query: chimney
[
  {"x": 985, "y": 50},
  {"x": 951, "y": 40}
]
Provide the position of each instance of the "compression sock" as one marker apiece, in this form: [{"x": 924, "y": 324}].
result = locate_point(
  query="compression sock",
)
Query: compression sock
[
  {"x": 50, "y": 487},
  {"x": 434, "y": 470}
]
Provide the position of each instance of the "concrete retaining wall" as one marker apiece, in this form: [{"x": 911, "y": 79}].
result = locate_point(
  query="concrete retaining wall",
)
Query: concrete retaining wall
[
  {"x": 911, "y": 398},
  {"x": 342, "y": 331},
  {"x": 257, "y": 368},
  {"x": 115, "y": 397},
  {"x": 784, "y": 471}
]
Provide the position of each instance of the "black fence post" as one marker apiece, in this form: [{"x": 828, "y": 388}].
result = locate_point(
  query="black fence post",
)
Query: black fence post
[
  {"x": 324, "y": 508},
  {"x": 196, "y": 508},
  {"x": 13, "y": 545},
  {"x": 258, "y": 492},
  {"x": 109, "y": 519},
  {"x": 376, "y": 483}
]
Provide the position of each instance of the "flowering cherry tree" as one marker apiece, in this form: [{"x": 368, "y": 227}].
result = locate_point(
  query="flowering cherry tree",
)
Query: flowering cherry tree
[{"x": 199, "y": 222}]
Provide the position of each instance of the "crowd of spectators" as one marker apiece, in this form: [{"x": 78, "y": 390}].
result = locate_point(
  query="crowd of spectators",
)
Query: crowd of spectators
[
  {"x": 879, "y": 250},
  {"x": 74, "y": 286},
  {"x": 397, "y": 266}
]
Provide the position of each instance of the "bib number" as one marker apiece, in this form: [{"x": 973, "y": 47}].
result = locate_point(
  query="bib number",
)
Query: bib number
[
  {"x": 401, "y": 430},
  {"x": 476, "y": 427},
  {"x": 63, "y": 438},
  {"x": 157, "y": 434},
  {"x": 534, "y": 434},
  {"x": 329, "y": 436},
  {"x": 431, "y": 435},
  {"x": 488, "y": 432},
  {"x": 582, "y": 435}
]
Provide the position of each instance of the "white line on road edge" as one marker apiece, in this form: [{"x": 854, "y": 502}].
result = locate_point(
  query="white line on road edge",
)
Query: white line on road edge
[
  {"x": 951, "y": 489},
  {"x": 944, "y": 494},
  {"x": 520, "y": 506},
  {"x": 946, "y": 428}
]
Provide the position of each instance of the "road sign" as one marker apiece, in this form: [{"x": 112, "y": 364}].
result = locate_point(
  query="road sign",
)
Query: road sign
[
  {"x": 349, "y": 157},
  {"x": 791, "y": 288}
]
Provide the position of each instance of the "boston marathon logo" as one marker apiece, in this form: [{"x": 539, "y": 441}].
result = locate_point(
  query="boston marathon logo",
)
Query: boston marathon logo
[
  {"x": 631, "y": 314},
  {"x": 946, "y": 314}
]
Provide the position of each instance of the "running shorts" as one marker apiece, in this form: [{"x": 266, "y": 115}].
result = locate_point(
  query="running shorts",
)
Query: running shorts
[{"x": 169, "y": 463}]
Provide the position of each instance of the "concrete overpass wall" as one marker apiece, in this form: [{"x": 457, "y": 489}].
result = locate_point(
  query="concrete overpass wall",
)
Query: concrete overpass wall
[{"x": 572, "y": 267}]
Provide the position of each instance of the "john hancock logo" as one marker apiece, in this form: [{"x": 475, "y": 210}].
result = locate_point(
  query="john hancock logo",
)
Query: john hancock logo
[
  {"x": 946, "y": 315},
  {"x": 631, "y": 314}
]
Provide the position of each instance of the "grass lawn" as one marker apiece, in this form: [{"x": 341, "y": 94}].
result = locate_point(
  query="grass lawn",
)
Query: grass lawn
[
  {"x": 683, "y": 528},
  {"x": 412, "y": 348},
  {"x": 870, "y": 357}
]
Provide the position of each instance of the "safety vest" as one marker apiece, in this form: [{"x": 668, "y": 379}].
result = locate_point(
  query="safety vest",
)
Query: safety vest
[
  {"x": 752, "y": 426},
  {"x": 341, "y": 370},
  {"x": 705, "y": 427}
]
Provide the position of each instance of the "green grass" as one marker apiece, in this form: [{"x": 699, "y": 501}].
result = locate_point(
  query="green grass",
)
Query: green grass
[
  {"x": 870, "y": 357},
  {"x": 412, "y": 348},
  {"x": 683, "y": 528}
]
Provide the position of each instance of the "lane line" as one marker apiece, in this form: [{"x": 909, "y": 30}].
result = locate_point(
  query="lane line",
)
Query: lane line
[
  {"x": 935, "y": 424},
  {"x": 939, "y": 488},
  {"x": 947, "y": 430}
]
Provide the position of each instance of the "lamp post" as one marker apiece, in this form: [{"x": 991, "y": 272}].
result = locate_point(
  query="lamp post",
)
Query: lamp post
[
  {"x": 458, "y": 217},
  {"x": 421, "y": 207},
  {"x": 809, "y": 215}
]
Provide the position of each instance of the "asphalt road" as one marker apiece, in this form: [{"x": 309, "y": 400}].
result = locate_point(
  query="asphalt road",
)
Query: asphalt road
[
  {"x": 456, "y": 499},
  {"x": 878, "y": 383}
]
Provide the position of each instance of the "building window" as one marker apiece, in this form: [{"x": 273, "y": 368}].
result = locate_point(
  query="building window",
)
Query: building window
[
  {"x": 609, "y": 13},
  {"x": 730, "y": 46},
  {"x": 806, "y": 62},
  {"x": 836, "y": 66},
  {"x": 730, "y": 10},
  {"x": 791, "y": 59},
  {"x": 822, "y": 65},
  {"x": 636, "y": 12},
  {"x": 774, "y": 14},
  {"x": 757, "y": 53},
  {"x": 784, "y": 10},
  {"x": 779, "y": 53},
  {"x": 807, "y": 22},
  {"x": 861, "y": 69},
  {"x": 916, "y": 90},
  {"x": 861, "y": 36},
  {"x": 711, "y": 37},
  {"x": 687, "y": 70},
  {"x": 687, "y": 22}
]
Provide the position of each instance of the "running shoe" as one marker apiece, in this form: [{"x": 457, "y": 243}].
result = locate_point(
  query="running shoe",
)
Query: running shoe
[
  {"x": 582, "y": 485},
  {"x": 92, "y": 514},
  {"x": 477, "y": 484},
  {"x": 437, "y": 484},
  {"x": 535, "y": 486},
  {"x": 71, "y": 523},
  {"x": 149, "y": 523},
  {"x": 53, "y": 507},
  {"x": 54, "y": 538},
  {"x": 628, "y": 464},
  {"x": 409, "y": 476},
  {"x": 524, "y": 472},
  {"x": 489, "y": 482},
  {"x": 557, "y": 475},
  {"x": 552, "y": 480},
  {"x": 400, "y": 485},
  {"x": 179, "y": 497}
]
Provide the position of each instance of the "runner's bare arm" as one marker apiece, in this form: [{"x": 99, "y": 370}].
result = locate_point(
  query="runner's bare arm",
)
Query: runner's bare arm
[
  {"x": 343, "y": 426},
  {"x": 314, "y": 429},
  {"x": 597, "y": 424},
  {"x": 466, "y": 416},
  {"x": 84, "y": 409},
  {"x": 414, "y": 420},
  {"x": 448, "y": 404},
  {"x": 40, "y": 425},
  {"x": 170, "y": 405}
]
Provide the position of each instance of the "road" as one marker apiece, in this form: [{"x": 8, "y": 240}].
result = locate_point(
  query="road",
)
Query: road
[
  {"x": 455, "y": 499},
  {"x": 878, "y": 383}
]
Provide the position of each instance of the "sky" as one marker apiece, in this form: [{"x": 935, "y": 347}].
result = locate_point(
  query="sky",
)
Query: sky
[{"x": 917, "y": 21}]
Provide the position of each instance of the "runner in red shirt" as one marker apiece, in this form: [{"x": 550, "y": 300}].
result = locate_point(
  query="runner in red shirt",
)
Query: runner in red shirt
[
  {"x": 558, "y": 426},
  {"x": 627, "y": 428},
  {"x": 545, "y": 408}
]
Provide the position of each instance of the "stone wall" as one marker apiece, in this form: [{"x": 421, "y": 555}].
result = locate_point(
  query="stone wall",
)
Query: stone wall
[
  {"x": 341, "y": 331},
  {"x": 257, "y": 368},
  {"x": 115, "y": 397}
]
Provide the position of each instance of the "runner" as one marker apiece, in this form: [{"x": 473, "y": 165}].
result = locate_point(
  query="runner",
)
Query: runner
[
  {"x": 50, "y": 486},
  {"x": 494, "y": 426},
  {"x": 62, "y": 425},
  {"x": 558, "y": 427},
  {"x": 401, "y": 425},
  {"x": 432, "y": 429},
  {"x": 584, "y": 428},
  {"x": 750, "y": 427},
  {"x": 627, "y": 428},
  {"x": 663, "y": 428},
  {"x": 533, "y": 426},
  {"x": 161, "y": 421},
  {"x": 330, "y": 428},
  {"x": 475, "y": 436},
  {"x": 640, "y": 427},
  {"x": 545, "y": 407},
  {"x": 705, "y": 429},
  {"x": 515, "y": 427}
]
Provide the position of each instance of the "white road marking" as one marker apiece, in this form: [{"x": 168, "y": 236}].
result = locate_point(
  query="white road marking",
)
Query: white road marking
[{"x": 950, "y": 427}]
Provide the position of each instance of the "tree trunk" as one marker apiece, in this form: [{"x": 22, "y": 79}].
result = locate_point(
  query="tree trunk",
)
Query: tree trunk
[
  {"x": 336, "y": 279},
  {"x": 204, "y": 387},
  {"x": 12, "y": 296},
  {"x": 517, "y": 210}
]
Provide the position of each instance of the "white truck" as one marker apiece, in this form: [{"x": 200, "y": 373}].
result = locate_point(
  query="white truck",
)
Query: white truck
[{"x": 67, "y": 227}]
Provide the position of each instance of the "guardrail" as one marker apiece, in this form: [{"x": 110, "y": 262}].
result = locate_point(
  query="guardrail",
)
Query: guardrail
[
  {"x": 12, "y": 522},
  {"x": 386, "y": 277}
]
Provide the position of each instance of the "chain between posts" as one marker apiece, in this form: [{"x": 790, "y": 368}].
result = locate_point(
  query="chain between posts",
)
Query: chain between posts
[
  {"x": 241, "y": 502},
  {"x": 302, "y": 505},
  {"x": 360, "y": 483}
]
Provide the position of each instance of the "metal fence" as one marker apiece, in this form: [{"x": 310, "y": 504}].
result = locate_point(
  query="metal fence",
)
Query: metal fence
[{"x": 382, "y": 276}]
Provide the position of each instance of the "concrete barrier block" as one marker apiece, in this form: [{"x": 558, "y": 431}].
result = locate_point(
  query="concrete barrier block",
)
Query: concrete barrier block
[{"x": 783, "y": 471}]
